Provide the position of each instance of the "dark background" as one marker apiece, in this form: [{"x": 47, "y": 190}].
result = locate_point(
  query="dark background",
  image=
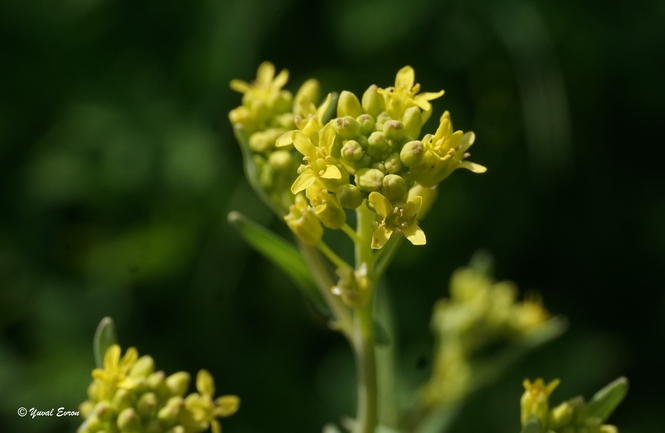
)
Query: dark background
[{"x": 118, "y": 167}]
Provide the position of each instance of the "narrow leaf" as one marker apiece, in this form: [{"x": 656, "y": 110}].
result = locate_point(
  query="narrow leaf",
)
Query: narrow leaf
[
  {"x": 282, "y": 254},
  {"x": 604, "y": 402},
  {"x": 105, "y": 337}
]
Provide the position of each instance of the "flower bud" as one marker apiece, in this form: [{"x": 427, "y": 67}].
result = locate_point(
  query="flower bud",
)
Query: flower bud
[
  {"x": 176, "y": 429},
  {"x": 347, "y": 127},
  {"x": 93, "y": 391},
  {"x": 129, "y": 420},
  {"x": 303, "y": 222},
  {"x": 123, "y": 399},
  {"x": 379, "y": 166},
  {"x": 169, "y": 413},
  {"x": 348, "y": 105},
  {"x": 177, "y": 383},
  {"x": 383, "y": 118},
  {"x": 104, "y": 411},
  {"x": 92, "y": 424},
  {"x": 86, "y": 408},
  {"x": 144, "y": 366},
  {"x": 394, "y": 188},
  {"x": 352, "y": 151},
  {"x": 607, "y": 428},
  {"x": 412, "y": 120},
  {"x": 308, "y": 92},
  {"x": 412, "y": 153},
  {"x": 561, "y": 416},
  {"x": 147, "y": 405},
  {"x": 378, "y": 146},
  {"x": 394, "y": 129},
  {"x": 366, "y": 123},
  {"x": 393, "y": 164},
  {"x": 369, "y": 179},
  {"x": 373, "y": 102},
  {"x": 535, "y": 401},
  {"x": 240, "y": 116},
  {"x": 349, "y": 196},
  {"x": 157, "y": 383},
  {"x": 280, "y": 160}
]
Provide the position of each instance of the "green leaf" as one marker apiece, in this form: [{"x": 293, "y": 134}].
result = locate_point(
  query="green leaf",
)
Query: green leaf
[
  {"x": 532, "y": 426},
  {"x": 604, "y": 402},
  {"x": 282, "y": 254},
  {"x": 105, "y": 337}
]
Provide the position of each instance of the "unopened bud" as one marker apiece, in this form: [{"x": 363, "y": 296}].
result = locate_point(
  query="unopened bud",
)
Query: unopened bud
[
  {"x": 147, "y": 405},
  {"x": 393, "y": 164},
  {"x": 369, "y": 179},
  {"x": 169, "y": 413},
  {"x": 86, "y": 408},
  {"x": 366, "y": 123},
  {"x": 394, "y": 129},
  {"x": 308, "y": 92},
  {"x": 412, "y": 120},
  {"x": 104, "y": 411},
  {"x": 349, "y": 196},
  {"x": 144, "y": 367},
  {"x": 157, "y": 383},
  {"x": 394, "y": 188},
  {"x": 177, "y": 383},
  {"x": 129, "y": 420},
  {"x": 347, "y": 127},
  {"x": 412, "y": 153},
  {"x": 280, "y": 160},
  {"x": 303, "y": 222},
  {"x": 352, "y": 151},
  {"x": 348, "y": 105},
  {"x": 373, "y": 102},
  {"x": 378, "y": 146},
  {"x": 123, "y": 399},
  {"x": 561, "y": 416}
]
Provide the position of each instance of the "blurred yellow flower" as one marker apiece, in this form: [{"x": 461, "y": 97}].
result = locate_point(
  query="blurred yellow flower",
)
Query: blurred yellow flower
[
  {"x": 400, "y": 219},
  {"x": 205, "y": 408}
]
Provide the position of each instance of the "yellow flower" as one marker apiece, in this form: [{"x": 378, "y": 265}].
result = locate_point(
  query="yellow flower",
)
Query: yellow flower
[
  {"x": 206, "y": 409},
  {"x": 266, "y": 83},
  {"x": 303, "y": 222},
  {"x": 400, "y": 219},
  {"x": 535, "y": 400},
  {"x": 326, "y": 206},
  {"x": 440, "y": 154},
  {"x": 115, "y": 371},
  {"x": 320, "y": 165},
  {"x": 405, "y": 94}
]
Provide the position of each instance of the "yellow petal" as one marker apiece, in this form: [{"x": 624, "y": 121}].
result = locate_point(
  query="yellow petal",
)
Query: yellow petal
[
  {"x": 413, "y": 206},
  {"x": 129, "y": 359},
  {"x": 415, "y": 235},
  {"x": 205, "y": 383},
  {"x": 380, "y": 237},
  {"x": 332, "y": 172},
  {"x": 476, "y": 168},
  {"x": 215, "y": 426},
  {"x": 240, "y": 86},
  {"x": 322, "y": 109},
  {"x": 285, "y": 139},
  {"x": 381, "y": 204},
  {"x": 265, "y": 73},
  {"x": 327, "y": 138},
  {"x": 303, "y": 181},
  {"x": 467, "y": 141},
  {"x": 227, "y": 405},
  {"x": 112, "y": 357},
  {"x": 304, "y": 145},
  {"x": 552, "y": 386},
  {"x": 281, "y": 79},
  {"x": 405, "y": 78}
]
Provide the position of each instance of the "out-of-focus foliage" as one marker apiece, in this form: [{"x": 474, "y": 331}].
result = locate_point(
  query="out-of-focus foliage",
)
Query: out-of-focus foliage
[{"x": 118, "y": 166}]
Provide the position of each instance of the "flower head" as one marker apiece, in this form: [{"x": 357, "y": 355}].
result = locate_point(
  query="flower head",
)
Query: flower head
[
  {"x": 205, "y": 408},
  {"x": 405, "y": 94},
  {"x": 115, "y": 371}
]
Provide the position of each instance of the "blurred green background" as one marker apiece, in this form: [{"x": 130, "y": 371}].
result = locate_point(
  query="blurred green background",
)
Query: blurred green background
[{"x": 118, "y": 167}]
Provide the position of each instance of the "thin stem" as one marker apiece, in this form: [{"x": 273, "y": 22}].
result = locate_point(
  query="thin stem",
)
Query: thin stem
[
  {"x": 337, "y": 260},
  {"x": 350, "y": 233},
  {"x": 386, "y": 255}
]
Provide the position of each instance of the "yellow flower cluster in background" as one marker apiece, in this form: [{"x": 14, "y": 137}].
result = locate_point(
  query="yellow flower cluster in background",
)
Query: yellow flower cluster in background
[
  {"x": 478, "y": 314},
  {"x": 371, "y": 154},
  {"x": 127, "y": 395}
]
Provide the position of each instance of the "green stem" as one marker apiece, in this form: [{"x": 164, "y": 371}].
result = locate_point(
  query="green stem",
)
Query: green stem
[
  {"x": 363, "y": 330},
  {"x": 337, "y": 260},
  {"x": 350, "y": 233}
]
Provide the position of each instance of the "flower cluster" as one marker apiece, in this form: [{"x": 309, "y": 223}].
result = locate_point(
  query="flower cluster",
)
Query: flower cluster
[
  {"x": 128, "y": 395},
  {"x": 480, "y": 313},
  {"x": 371, "y": 154},
  {"x": 574, "y": 415}
]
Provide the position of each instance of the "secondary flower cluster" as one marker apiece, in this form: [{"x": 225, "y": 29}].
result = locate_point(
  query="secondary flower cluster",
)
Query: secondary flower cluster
[
  {"x": 572, "y": 416},
  {"x": 480, "y": 313},
  {"x": 371, "y": 154},
  {"x": 128, "y": 395}
]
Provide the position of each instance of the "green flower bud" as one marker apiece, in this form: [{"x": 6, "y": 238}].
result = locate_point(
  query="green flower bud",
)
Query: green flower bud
[
  {"x": 412, "y": 122},
  {"x": 352, "y": 151},
  {"x": 129, "y": 420},
  {"x": 240, "y": 116},
  {"x": 169, "y": 413},
  {"x": 369, "y": 179},
  {"x": 561, "y": 416},
  {"x": 260, "y": 142},
  {"x": 281, "y": 160},
  {"x": 394, "y": 130},
  {"x": 177, "y": 383},
  {"x": 347, "y": 127},
  {"x": 379, "y": 166},
  {"x": 378, "y": 146},
  {"x": 123, "y": 399},
  {"x": 281, "y": 102},
  {"x": 408, "y": 177},
  {"x": 366, "y": 123},
  {"x": 332, "y": 215},
  {"x": 285, "y": 120},
  {"x": 147, "y": 405},
  {"x": 412, "y": 153},
  {"x": 86, "y": 408},
  {"x": 393, "y": 164},
  {"x": 349, "y": 196},
  {"x": 104, "y": 411},
  {"x": 303, "y": 222},
  {"x": 157, "y": 381},
  {"x": 383, "y": 118},
  {"x": 348, "y": 105},
  {"x": 144, "y": 366},
  {"x": 93, "y": 391},
  {"x": 394, "y": 188},
  {"x": 92, "y": 424},
  {"x": 373, "y": 102},
  {"x": 580, "y": 410}
]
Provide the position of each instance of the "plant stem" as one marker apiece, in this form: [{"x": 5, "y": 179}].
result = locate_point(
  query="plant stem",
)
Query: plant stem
[
  {"x": 334, "y": 258},
  {"x": 363, "y": 330}
]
